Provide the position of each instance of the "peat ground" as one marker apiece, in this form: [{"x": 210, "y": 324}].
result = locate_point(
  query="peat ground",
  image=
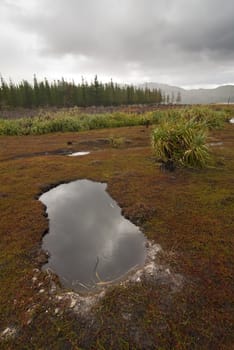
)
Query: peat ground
[{"x": 188, "y": 212}]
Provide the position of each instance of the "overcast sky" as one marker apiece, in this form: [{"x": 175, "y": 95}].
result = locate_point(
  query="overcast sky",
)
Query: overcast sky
[{"x": 189, "y": 43}]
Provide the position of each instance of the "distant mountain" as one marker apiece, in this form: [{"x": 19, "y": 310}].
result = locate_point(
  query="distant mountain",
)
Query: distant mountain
[{"x": 221, "y": 94}]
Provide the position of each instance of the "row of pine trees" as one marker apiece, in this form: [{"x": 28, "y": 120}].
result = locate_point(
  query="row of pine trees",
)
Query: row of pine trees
[{"x": 61, "y": 93}]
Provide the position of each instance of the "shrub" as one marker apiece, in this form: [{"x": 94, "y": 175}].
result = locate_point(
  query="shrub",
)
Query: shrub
[
  {"x": 211, "y": 118},
  {"x": 71, "y": 120},
  {"x": 116, "y": 142},
  {"x": 182, "y": 143}
]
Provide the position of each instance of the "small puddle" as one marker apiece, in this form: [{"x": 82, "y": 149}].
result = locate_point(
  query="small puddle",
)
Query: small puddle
[
  {"x": 232, "y": 121},
  {"x": 214, "y": 144},
  {"x": 90, "y": 243},
  {"x": 77, "y": 154}
]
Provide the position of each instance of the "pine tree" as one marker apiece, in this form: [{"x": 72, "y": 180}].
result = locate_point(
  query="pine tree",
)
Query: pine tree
[
  {"x": 65, "y": 94},
  {"x": 168, "y": 99},
  {"x": 178, "y": 98},
  {"x": 172, "y": 97}
]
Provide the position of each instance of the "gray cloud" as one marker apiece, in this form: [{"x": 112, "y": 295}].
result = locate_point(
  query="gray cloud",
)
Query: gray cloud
[{"x": 172, "y": 41}]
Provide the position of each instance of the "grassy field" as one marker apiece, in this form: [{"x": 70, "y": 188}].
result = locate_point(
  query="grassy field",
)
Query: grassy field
[
  {"x": 188, "y": 212},
  {"x": 73, "y": 120}
]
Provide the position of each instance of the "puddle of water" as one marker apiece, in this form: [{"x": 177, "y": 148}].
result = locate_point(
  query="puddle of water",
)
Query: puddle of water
[
  {"x": 90, "y": 243},
  {"x": 232, "y": 121},
  {"x": 215, "y": 143},
  {"x": 75, "y": 154}
]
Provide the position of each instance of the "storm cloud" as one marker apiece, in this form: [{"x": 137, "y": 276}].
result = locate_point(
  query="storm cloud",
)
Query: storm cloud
[{"x": 186, "y": 43}]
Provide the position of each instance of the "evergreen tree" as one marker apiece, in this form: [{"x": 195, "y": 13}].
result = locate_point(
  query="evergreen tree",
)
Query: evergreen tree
[
  {"x": 168, "y": 99},
  {"x": 67, "y": 94},
  {"x": 178, "y": 98},
  {"x": 172, "y": 97}
]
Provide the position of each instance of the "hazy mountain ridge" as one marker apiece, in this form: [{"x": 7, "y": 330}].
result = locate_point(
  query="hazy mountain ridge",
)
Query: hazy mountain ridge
[{"x": 221, "y": 94}]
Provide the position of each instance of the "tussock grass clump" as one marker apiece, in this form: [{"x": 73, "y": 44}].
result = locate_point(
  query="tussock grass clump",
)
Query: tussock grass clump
[
  {"x": 180, "y": 137},
  {"x": 207, "y": 116},
  {"x": 183, "y": 143},
  {"x": 116, "y": 142},
  {"x": 211, "y": 118},
  {"x": 61, "y": 122},
  {"x": 73, "y": 120}
]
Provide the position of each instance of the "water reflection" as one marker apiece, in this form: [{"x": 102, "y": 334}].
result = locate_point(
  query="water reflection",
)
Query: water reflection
[
  {"x": 77, "y": 154},
  {"x": 89, "y": 241}
]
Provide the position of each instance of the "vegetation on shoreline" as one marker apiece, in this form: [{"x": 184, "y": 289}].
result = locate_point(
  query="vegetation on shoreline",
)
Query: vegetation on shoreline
[
  {"x": 62, "y": 122},
  {"x": 73, "y": 121}
]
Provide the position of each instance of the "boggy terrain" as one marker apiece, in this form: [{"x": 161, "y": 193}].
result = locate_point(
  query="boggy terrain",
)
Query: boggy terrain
[{"x": 189, "y": 213}]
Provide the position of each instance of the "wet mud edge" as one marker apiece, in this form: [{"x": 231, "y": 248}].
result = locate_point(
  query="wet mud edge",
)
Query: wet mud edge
[{"x": 82, "y": 304}]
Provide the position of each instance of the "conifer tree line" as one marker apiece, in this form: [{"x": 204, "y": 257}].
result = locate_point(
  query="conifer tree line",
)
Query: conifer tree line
[{"x": 61, "y": 93}]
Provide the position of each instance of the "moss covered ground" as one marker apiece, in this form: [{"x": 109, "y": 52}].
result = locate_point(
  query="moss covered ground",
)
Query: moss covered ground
[{"x": 188, "y": 212}]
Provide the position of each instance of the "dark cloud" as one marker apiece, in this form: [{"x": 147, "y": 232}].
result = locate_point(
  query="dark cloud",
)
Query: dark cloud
[{"x": 174, "y": 41}]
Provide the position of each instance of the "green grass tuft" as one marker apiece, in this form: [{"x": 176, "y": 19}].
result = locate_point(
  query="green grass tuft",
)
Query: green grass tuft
[{"x": 183, "y": 143}]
